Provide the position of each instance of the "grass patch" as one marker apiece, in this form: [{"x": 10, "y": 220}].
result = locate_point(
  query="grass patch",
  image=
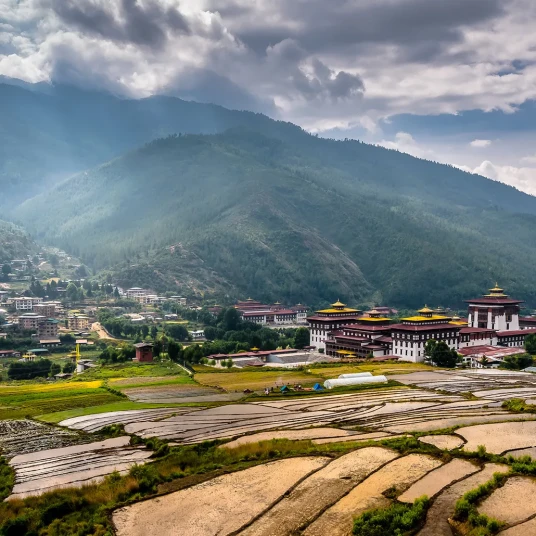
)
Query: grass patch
[
  {"x": 149, "y": 381},
  {"x": 518, "y": 405},
  {"x": 466, "y": 508},
  {"x": 396, "y": 520},
  {"x": 7, "y": 478}
]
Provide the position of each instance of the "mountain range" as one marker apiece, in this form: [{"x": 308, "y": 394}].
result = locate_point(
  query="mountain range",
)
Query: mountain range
[{"x": 198, "y": 199}]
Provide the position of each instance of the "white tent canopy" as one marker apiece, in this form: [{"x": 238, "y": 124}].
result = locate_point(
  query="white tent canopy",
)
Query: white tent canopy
[
  {"x": 355, "y": 375},
  {"x": 361, "y": 380}
]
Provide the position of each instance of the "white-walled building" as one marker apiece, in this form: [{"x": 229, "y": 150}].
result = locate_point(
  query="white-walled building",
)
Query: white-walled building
[
  {"x": 25, "y": 303},
  {"x": 495, "y": 310}
]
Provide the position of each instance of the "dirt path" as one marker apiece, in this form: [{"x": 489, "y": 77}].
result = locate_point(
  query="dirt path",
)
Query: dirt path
[{"x": 101, "y": 332}]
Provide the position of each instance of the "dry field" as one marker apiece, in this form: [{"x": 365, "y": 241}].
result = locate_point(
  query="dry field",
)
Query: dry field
[
  {"x": 42, "y": 471},
  {"x": 257, "y": 380}
]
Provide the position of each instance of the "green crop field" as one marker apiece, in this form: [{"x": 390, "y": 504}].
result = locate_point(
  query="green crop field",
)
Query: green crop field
[
  {"x": 30, "y": 399},
  {"x": 133, "y": 370}
]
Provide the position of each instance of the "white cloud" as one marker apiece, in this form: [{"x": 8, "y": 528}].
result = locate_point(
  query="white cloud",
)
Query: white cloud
[
  {"x": 405, "y": 143},
  {"x": 531, "y": 160},
  {"x": 522, "y": 178},
  {"x": 480, "y": 143}
]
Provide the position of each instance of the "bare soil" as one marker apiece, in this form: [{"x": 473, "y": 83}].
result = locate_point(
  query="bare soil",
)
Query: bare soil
[
  {"x": 434, "y": 482},
  {"x": 400, "y": 473},
  {"x": 512, "y": 503},
  {"x": 443, "y": 442},
  {"x": 500, "y": 437},
  {"x": 217, "y": 507}
]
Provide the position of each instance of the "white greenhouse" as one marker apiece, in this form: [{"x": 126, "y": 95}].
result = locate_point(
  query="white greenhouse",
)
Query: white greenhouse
[{"x": 361, "y": 380}]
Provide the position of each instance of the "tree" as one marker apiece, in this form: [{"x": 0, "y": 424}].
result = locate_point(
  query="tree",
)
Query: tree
[
  {"x": 72, "y": 292},
  {"x": 154, "y": 332},
  {"x": 301, "y": 338},
  {"x": 116, "y": 293},
  {"x": 517, "y": 362},
  {"x": 177, "y": 332},
  {"x": 174, "y": 350},
  {"x": 231, "y": 319},
  {"x": 441, "y": 355},
  {"x": 229, "y": 363},
  {"x": 144, "y": 330},
  {"x": 54, "y": 260},
  {"x": 54, "y": 369},
  {"x": 530, "y": 344},
  {"x": 69, "y": 368},
  {"x": 6, "y": 270}
]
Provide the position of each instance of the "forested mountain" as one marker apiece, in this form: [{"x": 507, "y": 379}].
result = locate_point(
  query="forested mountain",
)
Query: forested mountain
[
  {"x": 281, "y": 214},
  {"x": 14, "y": 243},
  {"x": 49, "y": 132}
]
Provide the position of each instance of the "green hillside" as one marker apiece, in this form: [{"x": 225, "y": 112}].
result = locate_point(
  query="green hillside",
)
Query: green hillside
[
  {"x": 293, "y": 217},
  {"x": 14, "y": 242},
  {"x": 50, "y": 132}
]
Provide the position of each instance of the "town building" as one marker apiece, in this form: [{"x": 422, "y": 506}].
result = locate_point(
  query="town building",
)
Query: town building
[
  {"x": 30, "y": 321},
  {"x": 25, "y": 304},
  {"x": 179, "y": 299},
  {"x": 3, "y": 296},
  {"x": 136, "y": 293},
  {"x": 487, "y": 355},
  {"x": 9, "y": 353},
  {"x": 197, "y": 334},
  {"x": 331, "y": 319},
  {"x": 144, "y": 352},
  {"x": 78, "y": 322},
  {"x": 527, "y": 322},
  {"x": 48, "y": 329},
  {"x": 45, "y": 308}
]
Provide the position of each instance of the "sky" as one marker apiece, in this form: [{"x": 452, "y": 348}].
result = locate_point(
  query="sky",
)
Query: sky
[{"x": 447, "y": 80}]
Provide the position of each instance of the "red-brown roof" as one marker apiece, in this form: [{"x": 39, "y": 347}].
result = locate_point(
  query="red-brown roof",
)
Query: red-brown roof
[
  {"x": 385, "y": 339},
  {"x": 368, "y": 327},
  {"x": 332, "y": 318},
  {"x": 494, "y": 301},
  {"x": 423, "y": 327},
  {"x": 516, "y": 332},
  {"x": 467, "y": 330}
]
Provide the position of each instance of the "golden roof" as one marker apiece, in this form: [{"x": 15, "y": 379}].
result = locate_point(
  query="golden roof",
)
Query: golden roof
[
  {"x": 420, "y": 318},
  {"x": 495, "y": 292},
  {"x": 425, "y": 309},
  {"x": 254, "y": 349},
  {"x": 373, "y": 319},
  {"x": 338, "y": 304},
  {"x": 339, "y": 310}
]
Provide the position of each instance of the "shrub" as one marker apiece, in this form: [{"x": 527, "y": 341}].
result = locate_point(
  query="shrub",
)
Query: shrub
[{"x": 397, "y": 520}]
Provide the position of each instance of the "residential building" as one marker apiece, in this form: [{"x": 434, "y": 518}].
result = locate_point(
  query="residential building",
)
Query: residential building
[
  {"x": 9, "y": 353},
  {"x": 45, "y": 308},
  {"x": 136, "y": 293},
  {"x": 179, "y": 299},
  {"x": 25, "y": 304},
  {"x": 78, "y": 322},
  {"x": 487, "y": 355},
  {"x": 48, "y": 329},
  {"x": 3, "y": 296},
  {"x": 197, "y": 334},
  {"x": 31, "y": 321}
]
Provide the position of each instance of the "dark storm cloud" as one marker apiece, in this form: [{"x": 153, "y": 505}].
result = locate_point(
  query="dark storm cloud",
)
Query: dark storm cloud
[
  {"x": 142, "y": 24},
  {"x": 320, "y": 26}
]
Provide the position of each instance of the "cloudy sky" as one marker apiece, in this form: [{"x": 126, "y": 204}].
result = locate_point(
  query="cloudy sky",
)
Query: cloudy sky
[{"x": 447, "y": 80}]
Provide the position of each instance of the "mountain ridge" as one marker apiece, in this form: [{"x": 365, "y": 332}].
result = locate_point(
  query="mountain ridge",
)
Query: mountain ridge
[{"x": 304, "y": 219}]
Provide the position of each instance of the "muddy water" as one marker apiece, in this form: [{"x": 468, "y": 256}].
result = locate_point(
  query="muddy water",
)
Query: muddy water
[
  {"x": 338, "y": 520},
  {"x": 318, "y": 492},
  {"x": 220, "y": 506},
  {"x": 435, "y": 481},
  {"x": 512, "y": 503},
  {"x": 443, "y": 506},
  {"x": 447, "y": 442}
]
